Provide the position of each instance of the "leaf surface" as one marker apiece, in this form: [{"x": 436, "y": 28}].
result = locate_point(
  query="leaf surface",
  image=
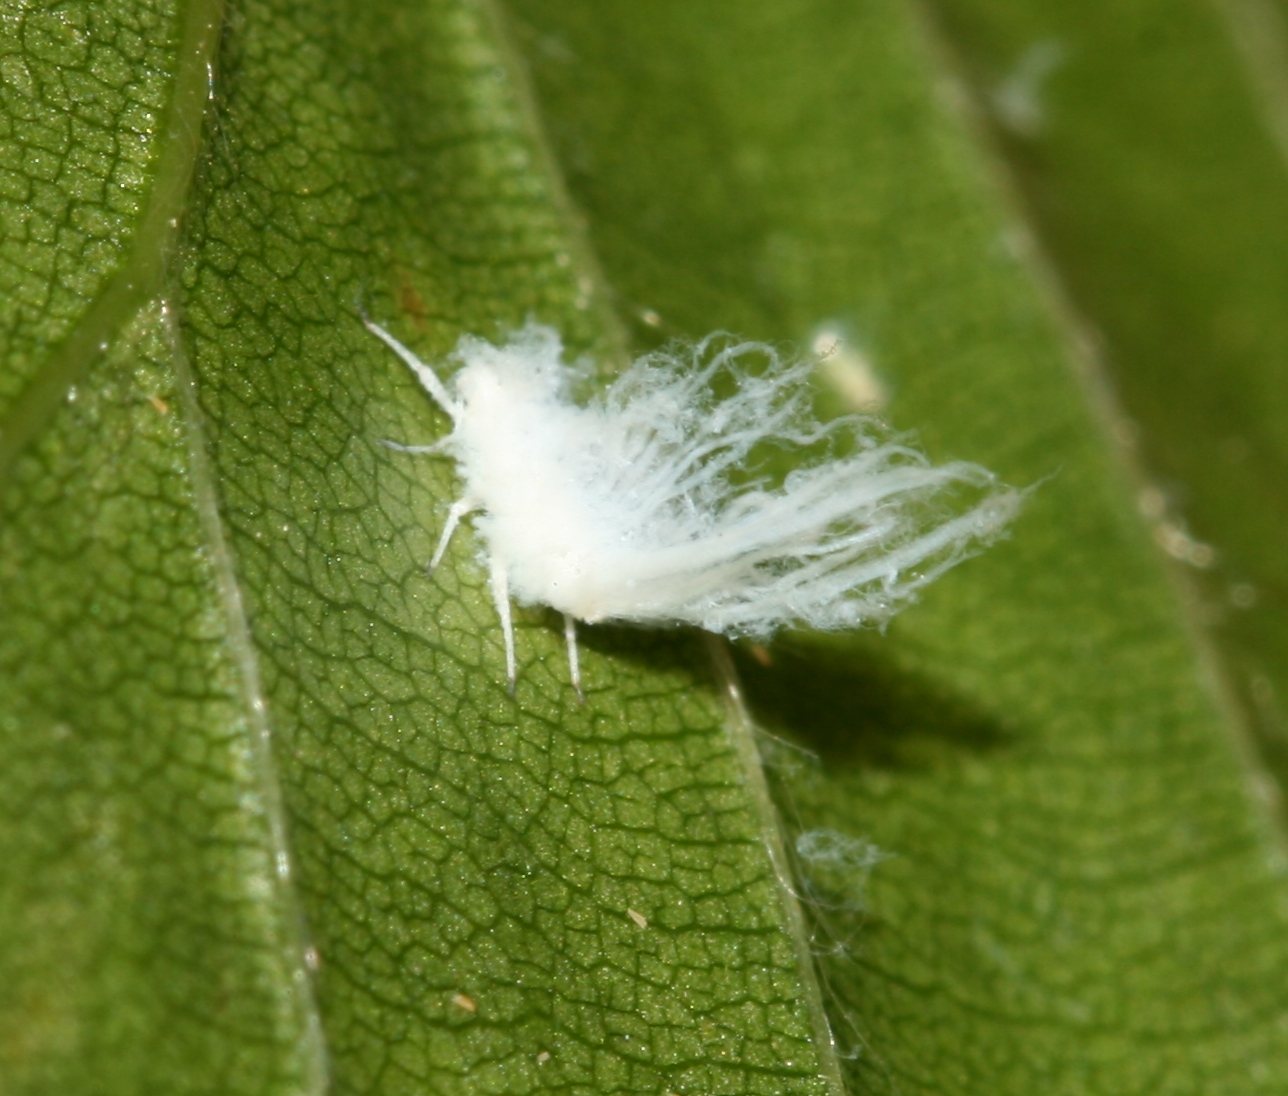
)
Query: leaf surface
[
  {"x": 410, "y": 880},
  {"x": 273, "y": 823},
  {"x": 1083, "y": 890},
  {"x": 1165, "y": 213}
]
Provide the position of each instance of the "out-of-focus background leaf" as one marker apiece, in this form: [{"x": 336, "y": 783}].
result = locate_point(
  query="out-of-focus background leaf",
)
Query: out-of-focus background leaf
[
  {"x": 1149, "y": 143},
  {"x": 271, "y": 822}
]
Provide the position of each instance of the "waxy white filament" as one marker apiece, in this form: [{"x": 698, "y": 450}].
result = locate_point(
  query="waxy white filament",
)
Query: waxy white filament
[{"x": 638, "y": 506}]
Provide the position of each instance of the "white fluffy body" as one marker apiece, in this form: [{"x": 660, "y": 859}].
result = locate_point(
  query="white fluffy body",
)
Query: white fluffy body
[{"x": 640, "y": 506}]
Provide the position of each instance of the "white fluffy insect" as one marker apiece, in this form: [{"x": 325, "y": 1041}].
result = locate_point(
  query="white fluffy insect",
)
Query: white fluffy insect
[{"x": 640, "y": 506}]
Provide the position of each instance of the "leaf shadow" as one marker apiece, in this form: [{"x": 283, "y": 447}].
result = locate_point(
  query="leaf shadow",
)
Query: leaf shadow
[
  {"x": 667, "y": 650},
  {"x": 854, "y": 705},
  {"x": 851, "y": 703}
]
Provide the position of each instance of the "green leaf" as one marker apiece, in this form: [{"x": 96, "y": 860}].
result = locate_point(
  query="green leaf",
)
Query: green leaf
[
  {"x": 1084, "y": 890},
  {"x": 291, "y": 822},
  {"x": 1165, "y": 212},
  {"x": 272, "y": 822}
]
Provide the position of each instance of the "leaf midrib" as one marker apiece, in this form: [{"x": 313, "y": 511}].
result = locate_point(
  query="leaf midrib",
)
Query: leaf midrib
[
  {"x": 259, "y": 733},
  {"x": 155, "y": 239}
]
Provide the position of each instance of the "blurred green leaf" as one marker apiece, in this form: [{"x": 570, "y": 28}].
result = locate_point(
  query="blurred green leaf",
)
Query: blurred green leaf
[
  {"x": 1153, "y": 160},
  {"x": 272, "y": 822}
]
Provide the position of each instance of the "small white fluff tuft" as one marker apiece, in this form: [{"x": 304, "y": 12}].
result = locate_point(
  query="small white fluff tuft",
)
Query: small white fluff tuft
[{"x": 653, "y": 503}]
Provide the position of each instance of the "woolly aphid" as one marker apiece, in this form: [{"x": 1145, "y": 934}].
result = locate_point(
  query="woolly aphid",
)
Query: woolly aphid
[{"x": 640, "y": 506}]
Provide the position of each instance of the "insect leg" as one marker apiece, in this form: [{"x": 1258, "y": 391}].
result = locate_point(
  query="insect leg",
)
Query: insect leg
[
  {"x": 574, "y": 664},
  {"x": 459, "y": 509},
  {"x": 427, "y": 377},
  {"x": 398, "y": 446},
  {"x": 501, "y": 596}
]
